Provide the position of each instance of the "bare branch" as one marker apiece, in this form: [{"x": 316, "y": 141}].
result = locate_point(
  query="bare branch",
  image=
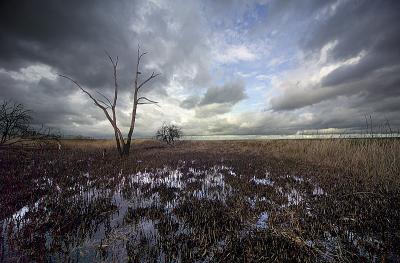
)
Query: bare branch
[
  {"x": 105, "y": 104},
  {"x": 140, "y": 55},
  {"x": 85, "y": 91},
  {"x": 113, "y": 123},
  {"x": 110, "y": 104},
  {"x": 114, "y": 64},
  {"x": 115, "y": 85},
  {"x": 144, "y": 98},
  {"x": 169, "y": 133},
  {"x": 148, "y": 79},
  {"x": 15, "y": 127},
  {"x": 123, "y": 145},
  {"x": 111, "y": 59},
  {"x": 148, "y": 103}
]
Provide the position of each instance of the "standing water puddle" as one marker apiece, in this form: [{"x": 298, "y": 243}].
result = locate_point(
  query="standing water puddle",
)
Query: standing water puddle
[{"x": 168, "y": 214}]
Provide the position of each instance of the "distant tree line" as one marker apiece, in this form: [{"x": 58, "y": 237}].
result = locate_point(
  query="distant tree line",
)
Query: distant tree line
[{"x": 16, "y": 129}]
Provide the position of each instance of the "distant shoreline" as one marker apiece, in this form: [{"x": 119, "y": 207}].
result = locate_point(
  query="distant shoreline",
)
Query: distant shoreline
[{"x": 261, "y": 137}]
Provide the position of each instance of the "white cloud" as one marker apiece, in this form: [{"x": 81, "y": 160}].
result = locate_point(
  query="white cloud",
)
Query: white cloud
[
  {"x": 196, "y": 46},
  {"x": 234, "y": 54},
  {"x": 263, "y": 77},
  {"x": 32, "y": 73}
]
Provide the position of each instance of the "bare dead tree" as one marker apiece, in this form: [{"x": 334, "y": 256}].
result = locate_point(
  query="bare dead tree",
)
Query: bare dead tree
[
  {"x": 106, "y": 105},
  {"x": 15, "y": 126},
  {"x": 14, "y": 121},
  {"x": 169, "y": 133}
]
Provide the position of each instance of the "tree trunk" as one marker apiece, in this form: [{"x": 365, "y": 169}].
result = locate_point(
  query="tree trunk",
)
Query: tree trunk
[
  {"x": 122, "y": 146},
  {"x": 117, "y": 142},
  {"x": 126, "y": 148},
  {"x": 127, "y": 145}
]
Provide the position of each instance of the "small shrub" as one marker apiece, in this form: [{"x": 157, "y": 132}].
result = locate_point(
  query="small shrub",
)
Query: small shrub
[{"x": 169, "y": 133}]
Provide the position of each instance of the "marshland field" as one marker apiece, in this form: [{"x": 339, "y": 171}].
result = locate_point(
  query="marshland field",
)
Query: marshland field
[{"x": 332, "y": 200}]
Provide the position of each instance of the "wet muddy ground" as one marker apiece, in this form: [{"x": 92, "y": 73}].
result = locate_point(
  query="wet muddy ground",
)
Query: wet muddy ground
[{"x": 190, "y": 205}]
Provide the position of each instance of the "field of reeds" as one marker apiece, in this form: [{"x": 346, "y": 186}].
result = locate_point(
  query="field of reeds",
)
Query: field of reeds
[{"x": 335, "y": 200}]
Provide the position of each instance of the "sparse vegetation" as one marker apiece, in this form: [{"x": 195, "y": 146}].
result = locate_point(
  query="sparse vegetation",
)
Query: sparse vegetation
[
  {"x": 123, "y": 144},
  {"x": 169, "y": 133},
  {"x": 224, "y": 201},
  {"x": 14, "y": 122},
  {"x": 16, "y": 129}
]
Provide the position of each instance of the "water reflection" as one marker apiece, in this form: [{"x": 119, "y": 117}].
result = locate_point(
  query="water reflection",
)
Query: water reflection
[{"x": 188, "y": 212}]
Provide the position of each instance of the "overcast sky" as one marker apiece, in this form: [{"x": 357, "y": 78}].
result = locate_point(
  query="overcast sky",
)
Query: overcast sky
[{"x": 227, "y": 67}]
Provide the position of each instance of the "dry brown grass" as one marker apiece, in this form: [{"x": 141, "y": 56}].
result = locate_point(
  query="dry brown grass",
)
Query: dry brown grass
[
  {"x": 360, "y": 178},
  {"x": 93, "y": 144},
  {"x": 370, "y": 164},
  {"x": 369, "y": 157},
  {"x": 88, "y": 144}
]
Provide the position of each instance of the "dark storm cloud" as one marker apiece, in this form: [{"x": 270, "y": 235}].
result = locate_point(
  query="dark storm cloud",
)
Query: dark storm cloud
[
  {"x": 282, "y": 15},
  {"x": 357, "y": 26},
  {"x": 53, "y": 110},
  {"x": 364, "y": 29},
  {"x": 217, "y": 100},
  {"x": 41, "y": 38},
  {"x": 231, "y": 92},
  {"x": 295, "y": 99},
  {"x": 70, "y": 37},
  {"x": 371, "y": 89},
  {"x": 211, "y": 110},
  {"x": 190, "y": 102}
]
